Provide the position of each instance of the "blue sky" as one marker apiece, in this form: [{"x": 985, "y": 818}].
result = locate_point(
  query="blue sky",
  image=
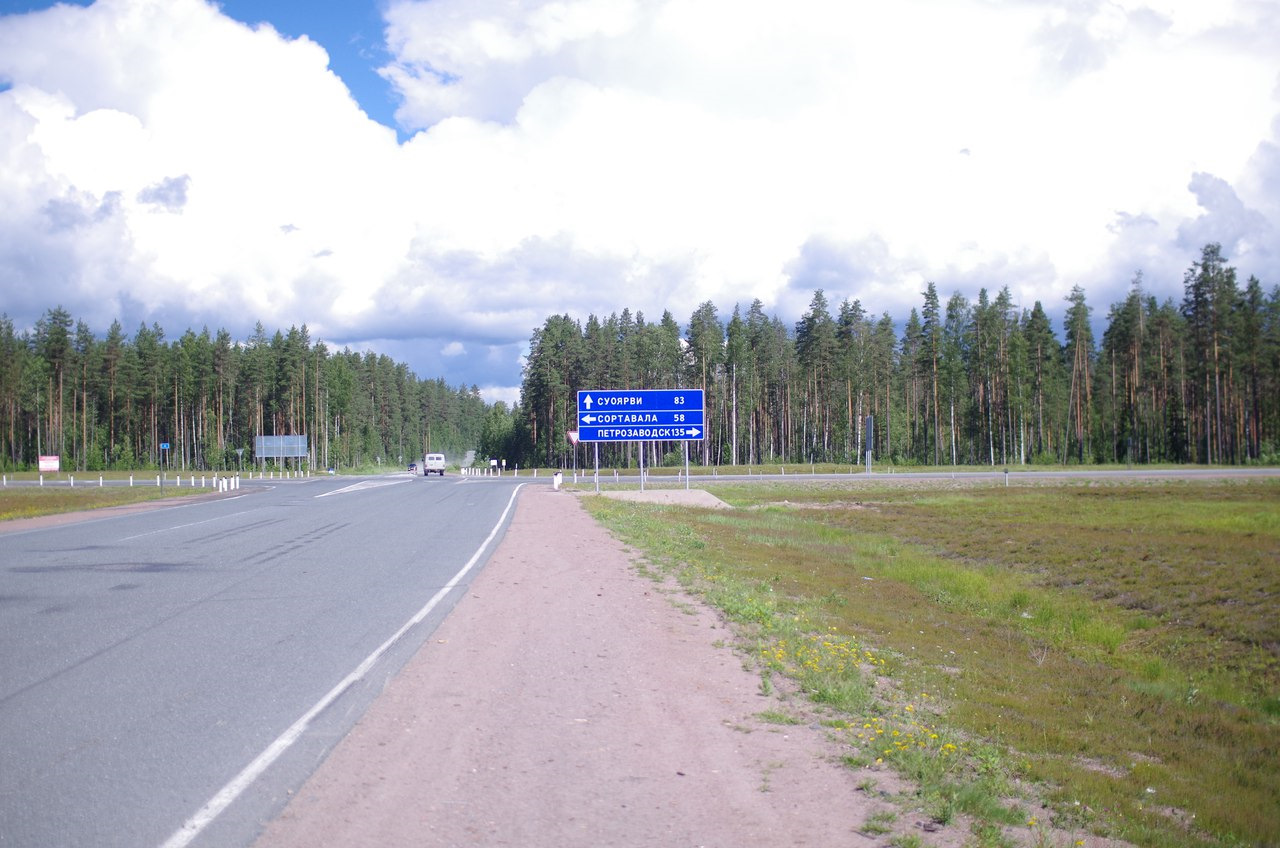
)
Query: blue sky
[
  {"x": 351, "y": 32},
  {"x": 438, "y": 176}
]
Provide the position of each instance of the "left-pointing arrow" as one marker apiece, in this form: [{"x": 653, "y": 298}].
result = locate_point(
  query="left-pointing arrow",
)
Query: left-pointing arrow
[{"x": 588, "y": 419}]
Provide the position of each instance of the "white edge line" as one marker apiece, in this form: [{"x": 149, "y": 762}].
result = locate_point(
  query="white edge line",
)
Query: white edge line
[{"x": 238, "y": 784}]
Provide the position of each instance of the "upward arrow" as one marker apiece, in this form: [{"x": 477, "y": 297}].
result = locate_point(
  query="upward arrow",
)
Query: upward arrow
[{"x": 587, "y": 402}]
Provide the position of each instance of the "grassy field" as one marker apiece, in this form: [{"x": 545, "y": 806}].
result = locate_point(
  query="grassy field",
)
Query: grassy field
[
  {"x": 1112, "y": 649},
  {"x": 31, "y": 501}
]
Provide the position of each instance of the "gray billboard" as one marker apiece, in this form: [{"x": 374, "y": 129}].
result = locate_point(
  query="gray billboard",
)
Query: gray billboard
[{"x": 279, "y": 447}]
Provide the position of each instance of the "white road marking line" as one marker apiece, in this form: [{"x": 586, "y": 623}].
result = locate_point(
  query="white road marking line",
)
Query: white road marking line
[
  {"x": 181, "y": 526},
  {"x": 363, "y": 484},
  {"x": 205, "y": 816}
]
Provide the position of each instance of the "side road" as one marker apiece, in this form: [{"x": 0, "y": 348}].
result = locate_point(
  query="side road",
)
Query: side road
[{"x": 570, "y": 701}]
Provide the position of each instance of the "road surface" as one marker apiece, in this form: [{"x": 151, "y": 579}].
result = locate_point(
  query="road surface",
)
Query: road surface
[{"x": 172, "y": 674}]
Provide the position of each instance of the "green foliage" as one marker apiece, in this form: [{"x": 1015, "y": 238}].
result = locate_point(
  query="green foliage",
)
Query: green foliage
[
  {"x": 879, "y": 823},
  {"x": 111, "y": 402},
  {"x": 973, "y": 383}
]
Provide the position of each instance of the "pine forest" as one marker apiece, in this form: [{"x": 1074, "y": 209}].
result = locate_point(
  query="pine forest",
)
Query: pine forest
[
  {"x": 957, "y": 383},
  {"x": 114, "y": 402},
  {"x": 961, "y": 383}
]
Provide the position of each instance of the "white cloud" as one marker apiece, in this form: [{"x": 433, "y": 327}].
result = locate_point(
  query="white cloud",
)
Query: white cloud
[
  {"x": 728, "y": 137},
  {"x": 158, "y": 159}
]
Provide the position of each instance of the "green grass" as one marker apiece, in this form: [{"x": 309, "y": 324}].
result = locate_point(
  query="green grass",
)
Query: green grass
[
  {"x": 879, "y": 823},
  {"x": 1117, "y": 645},
  {"x": 779, "y": 717},
  {"x": 31, "y": 502}
]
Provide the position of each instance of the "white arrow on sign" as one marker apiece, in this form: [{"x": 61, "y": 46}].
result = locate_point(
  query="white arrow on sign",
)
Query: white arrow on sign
[
  {"x": 695, "y": 432},
  {"x": 588, "y": 419},
  {"x": 587, "y": 402}
]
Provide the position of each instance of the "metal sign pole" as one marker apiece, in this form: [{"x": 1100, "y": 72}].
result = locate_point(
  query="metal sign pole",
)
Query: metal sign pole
[
  {"x": 686, "y": 465},
  {"x": 642, "y": 467},
  {"x": 596, "y": 445},
  {"x": 871, "y": 427}
]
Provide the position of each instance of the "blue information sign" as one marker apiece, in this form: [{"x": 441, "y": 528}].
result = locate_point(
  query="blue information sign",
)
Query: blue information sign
[
  {"x": 640, "y": 399},
  {"x": 641, "y": 433},
  {"x": 662, "y": 417},
  {"x": 641, "y": 415}
]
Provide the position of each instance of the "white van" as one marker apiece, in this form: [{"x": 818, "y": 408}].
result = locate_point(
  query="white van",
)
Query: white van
[{"x": 433, "y": 464}]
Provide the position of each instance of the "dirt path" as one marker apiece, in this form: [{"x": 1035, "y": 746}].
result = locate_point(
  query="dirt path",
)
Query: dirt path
[{"x": 569, "y": 701}]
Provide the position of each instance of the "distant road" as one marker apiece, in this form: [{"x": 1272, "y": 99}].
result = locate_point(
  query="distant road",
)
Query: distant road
[{"x": 147, "y": 659}]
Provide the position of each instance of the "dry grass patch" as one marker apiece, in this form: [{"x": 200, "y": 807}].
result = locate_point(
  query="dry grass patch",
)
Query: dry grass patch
[{"x": 1115, "y": 644}]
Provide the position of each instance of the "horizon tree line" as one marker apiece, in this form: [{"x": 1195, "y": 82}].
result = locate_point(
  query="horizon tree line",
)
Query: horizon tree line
[
  {"x": 965, "y": 383},
  {"x": 112, "y": 402}
]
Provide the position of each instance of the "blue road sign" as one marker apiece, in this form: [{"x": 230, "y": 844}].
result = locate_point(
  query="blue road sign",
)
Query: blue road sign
[
  {"x": 641, "y": 433},
  {"x": 641, "y": 415},
  {"x": 649, "y": 400},
  {"x": 664, "y": 417}
]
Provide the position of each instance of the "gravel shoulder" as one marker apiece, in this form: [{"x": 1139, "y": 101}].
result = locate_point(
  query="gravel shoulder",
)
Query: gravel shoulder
[
  {"x": 671, "y": 497},
  {"x": 569, "y": 700}
]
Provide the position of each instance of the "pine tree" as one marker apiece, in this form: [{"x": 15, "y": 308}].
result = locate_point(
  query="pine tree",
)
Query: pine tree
[
  {"x": 931, "y": 363},
  {"x": 1046, "y": 374},
  {"x": 815, "y": 342},
  {"x": 956, "y": 333},
  {"x": 706, "y": 359},
  {"x": 853, "y": 338},
  {"x": 1079, "y": 351},
  {"x": 53, "y": 345},
  {"x": 739, "y": 365}
]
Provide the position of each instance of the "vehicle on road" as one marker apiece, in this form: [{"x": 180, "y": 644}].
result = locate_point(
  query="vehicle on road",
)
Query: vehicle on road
[
  {"x": 434, "y": 464},
  {"x": 413, "y": 466}
]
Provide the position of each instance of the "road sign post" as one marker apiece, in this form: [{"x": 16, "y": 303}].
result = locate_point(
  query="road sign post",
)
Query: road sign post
[
  {"x": 871, "y": 428},
  {"x": 640, "y": 415}
]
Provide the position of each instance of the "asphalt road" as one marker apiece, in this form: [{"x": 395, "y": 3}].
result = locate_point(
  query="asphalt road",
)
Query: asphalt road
[{"x": 170, "y": 676}]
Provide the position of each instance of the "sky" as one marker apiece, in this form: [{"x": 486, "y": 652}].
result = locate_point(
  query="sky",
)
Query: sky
[{"x": 432, "y": 179}]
